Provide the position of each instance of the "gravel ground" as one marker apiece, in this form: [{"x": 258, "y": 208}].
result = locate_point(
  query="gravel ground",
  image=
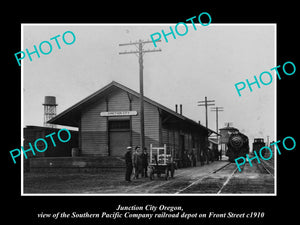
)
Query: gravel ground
[{"x": 188, "y": 180}]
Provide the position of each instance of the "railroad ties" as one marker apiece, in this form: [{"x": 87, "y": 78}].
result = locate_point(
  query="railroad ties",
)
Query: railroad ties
[
  {"x": 221, "y": 177},
  {"x": 228, "y": 180}
]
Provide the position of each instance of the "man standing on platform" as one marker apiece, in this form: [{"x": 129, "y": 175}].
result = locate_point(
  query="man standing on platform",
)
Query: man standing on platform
[
  {"x": 129, "y": 166},
  {"x": 144, "y": 163},
  {"x": 137, "y": 162}
]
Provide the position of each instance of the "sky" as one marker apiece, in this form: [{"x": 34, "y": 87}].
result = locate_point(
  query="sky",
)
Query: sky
[{"x": 208, "y": 62}]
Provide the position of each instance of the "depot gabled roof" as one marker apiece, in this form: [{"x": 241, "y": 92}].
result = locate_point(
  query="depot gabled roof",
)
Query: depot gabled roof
[{"x": 71, "y": 116}]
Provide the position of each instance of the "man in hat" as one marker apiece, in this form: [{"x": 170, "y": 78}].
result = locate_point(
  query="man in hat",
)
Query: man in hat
[{"x": 129, "y": 166}]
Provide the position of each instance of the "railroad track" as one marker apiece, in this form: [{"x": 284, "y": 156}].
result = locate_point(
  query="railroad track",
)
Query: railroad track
[
  {"x": 226, "y": 182},
  {"x": 222, "y": 179},
  {"x": 211, "y": 175},
  {"x": 268, "y": 168},
  {"x": 256, "y": 179}
]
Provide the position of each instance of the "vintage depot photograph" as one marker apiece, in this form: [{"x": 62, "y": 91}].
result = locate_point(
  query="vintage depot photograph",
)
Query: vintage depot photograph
[{"x": 146, "y": 120}]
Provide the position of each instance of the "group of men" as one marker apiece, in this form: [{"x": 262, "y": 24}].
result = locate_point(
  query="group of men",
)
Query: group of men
[
  {"x": 136, "y": 162},
  {"x": 189, "y": 159}
]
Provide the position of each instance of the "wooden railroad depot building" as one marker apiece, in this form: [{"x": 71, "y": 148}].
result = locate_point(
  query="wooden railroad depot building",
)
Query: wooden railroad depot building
[{"x": 108, "y": 121}]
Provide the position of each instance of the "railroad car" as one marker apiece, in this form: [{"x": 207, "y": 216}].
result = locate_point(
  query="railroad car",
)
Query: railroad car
[
  {"x": 258, "y": 144},
  {"x": 238, "y": 145}
]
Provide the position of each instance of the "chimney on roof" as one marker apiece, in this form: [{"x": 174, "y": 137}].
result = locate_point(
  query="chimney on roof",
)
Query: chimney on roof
[
  {"x": 180, "y": 109},
  {"x": 176, "y": 108}
]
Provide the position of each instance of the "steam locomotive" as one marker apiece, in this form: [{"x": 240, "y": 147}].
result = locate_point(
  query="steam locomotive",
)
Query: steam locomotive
[{"x": 238, "y": 145}]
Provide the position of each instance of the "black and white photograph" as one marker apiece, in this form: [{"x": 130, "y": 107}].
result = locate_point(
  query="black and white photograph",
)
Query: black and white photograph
[
  {"x": 143, "y": 114},
  {"x": 179, "y": 116}
]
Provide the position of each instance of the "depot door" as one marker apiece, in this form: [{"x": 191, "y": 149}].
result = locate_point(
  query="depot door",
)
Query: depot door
[
  {"x": 182, "y": 144},
  {"x": 119, "y": 137}
]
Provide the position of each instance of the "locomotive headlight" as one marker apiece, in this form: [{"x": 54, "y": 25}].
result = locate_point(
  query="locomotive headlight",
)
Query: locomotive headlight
[{"x": 236, "y": 141}]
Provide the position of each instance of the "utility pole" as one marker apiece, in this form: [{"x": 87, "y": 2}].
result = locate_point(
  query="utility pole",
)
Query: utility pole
[
  {"x": 206, "y": 103},
  {"x": 217, "y": 110},
  {"x": 140, "y": 52}
]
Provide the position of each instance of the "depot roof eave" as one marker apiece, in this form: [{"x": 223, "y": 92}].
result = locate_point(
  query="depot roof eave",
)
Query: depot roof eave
[{"x": 71, "y": 116}]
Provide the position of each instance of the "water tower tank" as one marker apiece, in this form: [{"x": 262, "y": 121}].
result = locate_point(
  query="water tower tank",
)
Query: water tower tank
[{"x": 50, "y": 100}]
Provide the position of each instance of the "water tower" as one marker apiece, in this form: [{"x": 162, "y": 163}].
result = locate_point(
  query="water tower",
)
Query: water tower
[{"x": 49, "y": 110}]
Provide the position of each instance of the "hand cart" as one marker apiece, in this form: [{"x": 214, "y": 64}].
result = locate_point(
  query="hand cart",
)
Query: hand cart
[{"x": 161, "y": 162}]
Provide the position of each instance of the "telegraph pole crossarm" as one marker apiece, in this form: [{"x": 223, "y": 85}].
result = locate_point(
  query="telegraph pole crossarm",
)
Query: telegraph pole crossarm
[
  {"x": 137, "y": 52},
  {"x": 206, "y": 103}
]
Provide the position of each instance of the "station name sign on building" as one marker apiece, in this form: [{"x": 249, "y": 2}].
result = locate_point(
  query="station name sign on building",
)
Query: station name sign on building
[{"x": 119, "y": 113}]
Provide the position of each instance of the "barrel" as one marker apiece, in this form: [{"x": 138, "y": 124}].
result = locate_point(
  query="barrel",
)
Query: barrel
[{"x": 75, "y": 152}]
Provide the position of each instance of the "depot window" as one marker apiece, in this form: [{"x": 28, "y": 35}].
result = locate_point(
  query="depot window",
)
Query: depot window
[{"x": 119, "y": 125}]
